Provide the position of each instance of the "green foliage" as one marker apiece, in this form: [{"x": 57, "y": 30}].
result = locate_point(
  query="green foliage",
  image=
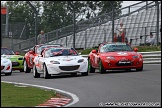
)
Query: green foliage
[{"x": 53, "y": 15}]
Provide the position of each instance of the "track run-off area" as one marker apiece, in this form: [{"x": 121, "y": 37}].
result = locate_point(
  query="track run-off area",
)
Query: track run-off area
[{"x": 113, "y": 88}]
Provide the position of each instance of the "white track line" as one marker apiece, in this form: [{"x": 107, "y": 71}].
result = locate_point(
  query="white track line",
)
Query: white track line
[{"x": 75, "y": 99}]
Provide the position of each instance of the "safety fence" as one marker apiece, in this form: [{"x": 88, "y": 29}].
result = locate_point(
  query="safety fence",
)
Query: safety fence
[{"x": 100, "y": 28}]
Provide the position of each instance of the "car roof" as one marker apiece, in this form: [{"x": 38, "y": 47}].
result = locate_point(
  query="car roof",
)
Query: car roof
[
  {"x": 58, "y": 48},
  {"x": 6, "y": 48}
]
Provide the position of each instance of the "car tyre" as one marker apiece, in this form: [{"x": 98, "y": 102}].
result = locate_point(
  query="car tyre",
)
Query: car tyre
[
  {"x": 6, "y": 74},
  {"x": 35, "y": 72},
  {"x": 90, "y": 68},
  {"x": 26, "y": 68},
  {"x": 46, "y": 75},
  {"x": 140, "y": 69},
  {"x": 22, "y": 70},
  {"x": 101, "y": 68},
  {"x": 84, "y": 73}
]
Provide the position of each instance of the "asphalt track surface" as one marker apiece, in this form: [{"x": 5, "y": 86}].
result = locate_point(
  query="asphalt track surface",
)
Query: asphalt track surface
[{"x": 111, "y": 88}]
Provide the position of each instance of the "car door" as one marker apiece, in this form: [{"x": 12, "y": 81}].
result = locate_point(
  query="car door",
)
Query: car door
[
  {"x": 93, "y": 57},
  {"x": 42, "y": 58},
  {"x": 37, "y": 63}
]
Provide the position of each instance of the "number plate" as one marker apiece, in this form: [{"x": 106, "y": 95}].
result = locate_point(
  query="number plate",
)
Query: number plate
[{"x": 124, "y": 62}]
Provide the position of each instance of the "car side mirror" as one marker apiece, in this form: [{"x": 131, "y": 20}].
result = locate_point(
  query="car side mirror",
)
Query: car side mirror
[
  {"x": 17, "y": 53},
  {"x": 135, "y": 49},
  {"x": 94, "y": 51}
]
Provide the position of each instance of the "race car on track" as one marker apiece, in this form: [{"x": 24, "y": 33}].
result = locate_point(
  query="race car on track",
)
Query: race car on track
[
  {"x": 114, "y": 56},
  {"x": 6, "y": 66},
  {"x": 59, "y": 60},
  {"x": 16, "y": 59},
  {"x": 36, "y": 50}
]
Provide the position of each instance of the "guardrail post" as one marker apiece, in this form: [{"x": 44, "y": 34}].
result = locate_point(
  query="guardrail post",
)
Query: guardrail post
[
  {"x": 146, "y": 4},
  {"x": 157, "y": 22},
  {"x": 145, "y": 37},
  {"x": 66, "y": 40},
  {"x": 128, "y": 10},
  {"x": 19, "y": 47},
  {"x": 85, "y": 39}
]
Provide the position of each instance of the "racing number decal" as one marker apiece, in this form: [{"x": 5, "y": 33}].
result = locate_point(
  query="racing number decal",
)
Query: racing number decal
[
  {"x": 40, "y": 63},
  {"x": 36, "y": 60},
  {"x": 96, "y": 58},
  {"x": 30, "y": 59}
]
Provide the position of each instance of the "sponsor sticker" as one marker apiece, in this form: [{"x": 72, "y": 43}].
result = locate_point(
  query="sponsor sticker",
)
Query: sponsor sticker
[{"x": 122, "y": 53}]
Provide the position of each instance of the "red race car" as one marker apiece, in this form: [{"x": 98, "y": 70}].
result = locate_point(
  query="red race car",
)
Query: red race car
[
  {"x": 30, "y": 55},
  {"x": 114, "y": 56}
]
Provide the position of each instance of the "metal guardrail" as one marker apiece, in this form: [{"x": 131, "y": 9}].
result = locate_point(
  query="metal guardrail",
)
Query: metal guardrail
[{"x": 148, "y": 57}]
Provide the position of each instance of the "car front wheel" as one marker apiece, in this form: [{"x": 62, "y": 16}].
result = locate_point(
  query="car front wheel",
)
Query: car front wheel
[
  {"x": 8, "y": 73},
  {"x": 22, "y": 70},
  {"x": 140, "y": 69},
  {"x": 26, "y": 68},
  {"x": 90, "y": 68},
  {"x": 46, "y": 75},
  {"x": 84, "y": 73},
  {"x": 35, "y": 73},
  {"x": 101, "y": 68}
]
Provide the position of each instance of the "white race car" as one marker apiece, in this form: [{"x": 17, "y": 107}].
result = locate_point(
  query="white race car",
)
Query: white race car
[
  {"x": 6, "y": 66},
  {"x": 53, "y": 61}
]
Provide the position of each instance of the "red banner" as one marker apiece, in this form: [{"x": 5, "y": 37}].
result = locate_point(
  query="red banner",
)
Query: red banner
[{"x": 3, "y": 10}]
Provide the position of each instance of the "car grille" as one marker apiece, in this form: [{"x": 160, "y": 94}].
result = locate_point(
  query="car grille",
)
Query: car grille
[
  {"x": 15, "y": 64},
  {"x": 2, "y": 67},
  {"x": 69, "y": 68}
]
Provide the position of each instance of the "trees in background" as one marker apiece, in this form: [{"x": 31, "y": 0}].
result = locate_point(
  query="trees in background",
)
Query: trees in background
[{"x": 57, "y": 14}]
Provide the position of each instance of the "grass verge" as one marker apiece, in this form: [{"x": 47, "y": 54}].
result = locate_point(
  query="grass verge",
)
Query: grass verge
[{"x": 20, "y": 96}]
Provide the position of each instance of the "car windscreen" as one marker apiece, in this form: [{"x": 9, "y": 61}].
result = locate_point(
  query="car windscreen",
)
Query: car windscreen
[
  {"x": 62, "y": 52},
  {"x": 40, "y": 48},
  {"x": 7, "y": 51},
  {"x": 115, "y": 47}
]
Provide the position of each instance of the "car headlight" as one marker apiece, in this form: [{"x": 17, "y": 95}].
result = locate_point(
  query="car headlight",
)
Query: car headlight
[
  {"x": 54, "y": 62},
  {"x": 80, "y": 60},
  {"x": 136, "y": 56},
  {"x": 20, "y": 58},
  {"x": 111, "y": 58}
]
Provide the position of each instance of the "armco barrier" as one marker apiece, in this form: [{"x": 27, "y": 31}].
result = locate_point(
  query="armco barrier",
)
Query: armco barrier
[{"x": 149, "y": 57}]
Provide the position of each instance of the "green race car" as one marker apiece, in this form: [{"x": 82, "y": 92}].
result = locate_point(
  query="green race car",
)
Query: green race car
[{"x": 17, "y": 60}]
